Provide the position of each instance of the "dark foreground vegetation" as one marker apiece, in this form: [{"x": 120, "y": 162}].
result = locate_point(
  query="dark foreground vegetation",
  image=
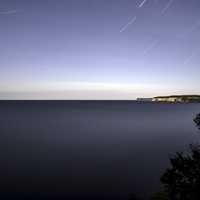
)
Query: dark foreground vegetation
[{"x": 182, "y": 180}]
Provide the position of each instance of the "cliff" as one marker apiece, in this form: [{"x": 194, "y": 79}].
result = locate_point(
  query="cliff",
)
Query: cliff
[{"x": 178, "y": 98}]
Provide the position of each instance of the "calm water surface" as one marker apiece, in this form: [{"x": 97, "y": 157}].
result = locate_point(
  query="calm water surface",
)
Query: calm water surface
[{"x": 90, "y": 148}]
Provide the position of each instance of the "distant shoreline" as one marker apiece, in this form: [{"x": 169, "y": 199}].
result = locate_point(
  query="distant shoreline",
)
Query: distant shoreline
[{"x": 173, "y": 99}]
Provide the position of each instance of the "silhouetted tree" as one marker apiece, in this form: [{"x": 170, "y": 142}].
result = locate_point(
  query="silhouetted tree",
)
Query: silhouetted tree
[{"x": 182, "y": 179}]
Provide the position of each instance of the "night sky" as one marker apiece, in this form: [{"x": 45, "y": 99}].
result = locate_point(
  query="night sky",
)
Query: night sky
[{"x": 99, "y": 49}]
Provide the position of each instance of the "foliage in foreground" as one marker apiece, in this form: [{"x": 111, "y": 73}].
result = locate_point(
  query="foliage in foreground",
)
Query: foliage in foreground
[{"x": 182, "y": 179}]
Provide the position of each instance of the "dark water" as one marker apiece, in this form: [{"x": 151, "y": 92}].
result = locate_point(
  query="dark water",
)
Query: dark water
[{"x": 90, "y": 149}]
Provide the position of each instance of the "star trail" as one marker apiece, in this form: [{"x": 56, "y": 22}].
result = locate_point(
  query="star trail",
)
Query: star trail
[{"x": 117, "y": 42}]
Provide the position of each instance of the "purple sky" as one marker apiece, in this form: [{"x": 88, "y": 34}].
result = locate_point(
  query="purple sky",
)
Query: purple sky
[{"x": 99, "y": 49}]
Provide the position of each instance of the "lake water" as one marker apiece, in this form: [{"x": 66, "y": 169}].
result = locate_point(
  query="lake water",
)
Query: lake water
[{"x": 105, "y": 149}]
